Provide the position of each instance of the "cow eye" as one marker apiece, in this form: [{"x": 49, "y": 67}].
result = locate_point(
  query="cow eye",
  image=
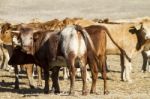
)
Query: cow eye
[{"x": 31, "y": 38}]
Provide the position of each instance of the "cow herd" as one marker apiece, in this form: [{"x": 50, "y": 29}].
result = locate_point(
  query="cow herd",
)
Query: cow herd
[{"x": 73, "y": 43}]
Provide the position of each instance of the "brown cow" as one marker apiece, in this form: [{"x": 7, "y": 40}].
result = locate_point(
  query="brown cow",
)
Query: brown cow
[{"x": 42, "y": 46}]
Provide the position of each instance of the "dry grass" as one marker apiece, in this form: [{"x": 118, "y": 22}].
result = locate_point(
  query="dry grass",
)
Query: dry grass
[{"x": 139, "y": 89}]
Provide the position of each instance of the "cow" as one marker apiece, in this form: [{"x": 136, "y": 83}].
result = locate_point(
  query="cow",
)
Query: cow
[
  {"x": 39, "y": 45},
  {"x": 9, "y": 44},
  {"x": 130, "y": 37},
  {"x": 82, "y": 48},
  {"x": 145, "y": 51}
]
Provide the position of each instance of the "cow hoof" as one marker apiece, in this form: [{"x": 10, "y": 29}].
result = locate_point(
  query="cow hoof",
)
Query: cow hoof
[
  {"x": 106, "y": 92},
  {"x": 72, "y": 93},
  {"x": 16, "y": 87},
  {"x": 39, "y": 83},
  {"x": 84, "y": 93},
  {"x": 32, "y": 87},
  {"x": 57, "y": 92},
  {"x": 143, "y": 71},
  {"x": 94, "y": 92},
  {"x": 46, "y": 92}
]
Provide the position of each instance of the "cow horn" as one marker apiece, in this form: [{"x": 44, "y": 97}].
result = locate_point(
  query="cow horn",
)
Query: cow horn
[
  {"x": 37, "y": 30},
  {"x": 138, "y": 27},
  {"x": 15, "y": 32}
]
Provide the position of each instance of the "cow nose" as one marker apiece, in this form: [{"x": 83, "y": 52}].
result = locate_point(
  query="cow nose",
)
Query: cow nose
[
  {"x": 28, "y": 49},
  {"x": 147, "y": 37}
]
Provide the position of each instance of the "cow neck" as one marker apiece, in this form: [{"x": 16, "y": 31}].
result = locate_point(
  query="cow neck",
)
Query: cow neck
[
  {"x": 59, "y": 51},
  {"x": 38, "y": 43},
  {"x": 140, "y": 39}
]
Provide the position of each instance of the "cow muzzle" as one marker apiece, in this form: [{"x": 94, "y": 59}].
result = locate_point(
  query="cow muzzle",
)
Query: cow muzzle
[
  {"x": 147, "y": 37},
  {"x": 27, "y": 49}
]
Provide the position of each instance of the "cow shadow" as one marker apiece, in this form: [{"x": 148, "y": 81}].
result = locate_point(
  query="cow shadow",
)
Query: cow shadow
[{"x": 9, "y": 87}]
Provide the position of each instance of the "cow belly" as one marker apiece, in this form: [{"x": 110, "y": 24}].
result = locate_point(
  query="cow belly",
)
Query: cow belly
[
  {"x": 112, "y": 52},
  {"x": 61, "y": 62}
]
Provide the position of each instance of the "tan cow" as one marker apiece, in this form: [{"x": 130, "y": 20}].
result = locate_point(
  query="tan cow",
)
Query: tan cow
[{"x": 131, "y": 38}]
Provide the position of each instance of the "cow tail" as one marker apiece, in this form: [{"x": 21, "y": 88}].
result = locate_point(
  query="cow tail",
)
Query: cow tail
[
  {"x": 122, "y": 50},
  {"x": 88, "y": 42}
]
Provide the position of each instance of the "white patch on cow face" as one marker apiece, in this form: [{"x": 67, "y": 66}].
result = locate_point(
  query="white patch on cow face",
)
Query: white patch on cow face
[
  {"x": 27, "y": 41},
  {"x": 148, "y": 53},
  {"x": 71, "y": 43},
  {"x": 15, "y": 40},
  {"x": 147, "y": 32}
]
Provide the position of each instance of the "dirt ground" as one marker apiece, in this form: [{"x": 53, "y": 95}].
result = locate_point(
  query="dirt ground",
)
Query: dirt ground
[
  {"x": 139, "y": 89},
  {"x": 25, "y": 10}
]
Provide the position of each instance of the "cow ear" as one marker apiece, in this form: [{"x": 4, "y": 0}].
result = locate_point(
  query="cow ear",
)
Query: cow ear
[
  {"x": 15, "y": 32},
  {"x": 5, "y": 27},
  {"x": 139, "y": 26},
  {"x": 36, "y": 35}
]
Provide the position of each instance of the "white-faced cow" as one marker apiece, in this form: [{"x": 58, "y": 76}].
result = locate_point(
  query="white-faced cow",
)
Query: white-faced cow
[{"x": 10, "y": 41}]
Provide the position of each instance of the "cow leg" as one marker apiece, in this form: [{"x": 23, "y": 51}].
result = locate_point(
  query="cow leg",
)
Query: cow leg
[
  {"x": 122, "y": 66},
  {"x": 148, "y": 65},
  {"x": 55, "y": 79},
  {"x": 46, "y": 77},
  {"x": 145, "y": 59},
  {"x": 39, "y": 70},
  {"x": 84, "y": 78},
  {"x": 102, "y": 60},
  {"x": 1, "y": 57},
  {"x": 78, "y": 72},
  {"x": 94, "y": 72},
  {"x": 5, "y": 58},
  {"x": 127, "y": 70},
  {"x": 107, "y": 67},
  {"x": 65, "y": 73},
  {"x": 88, "y": 78},
  {"x": 72, "y": 71},
  {"x": 29, "y": 69},
  {"x": 16, "y": 77}
]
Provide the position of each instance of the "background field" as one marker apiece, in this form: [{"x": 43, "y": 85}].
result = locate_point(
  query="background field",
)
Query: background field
[{"x": 26, "y": 10}]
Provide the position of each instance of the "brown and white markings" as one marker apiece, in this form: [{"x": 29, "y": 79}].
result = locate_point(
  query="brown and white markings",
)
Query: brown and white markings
[
  {"x": 42, "y": 45},
  {"x": 130, "y": 37}
]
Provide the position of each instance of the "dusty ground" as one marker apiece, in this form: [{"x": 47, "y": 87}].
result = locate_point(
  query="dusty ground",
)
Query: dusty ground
[
  {"x": 26, "y": 10},
  {"x": 139, "y": 89}
]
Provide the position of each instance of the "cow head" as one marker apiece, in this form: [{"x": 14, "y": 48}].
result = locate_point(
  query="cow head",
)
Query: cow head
[
  {"x": 26, "y": 38},
  {"x": 144, "y": 30},
  {"x": 36, "y": 40},
  {"x": 7, "y": 34}
]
